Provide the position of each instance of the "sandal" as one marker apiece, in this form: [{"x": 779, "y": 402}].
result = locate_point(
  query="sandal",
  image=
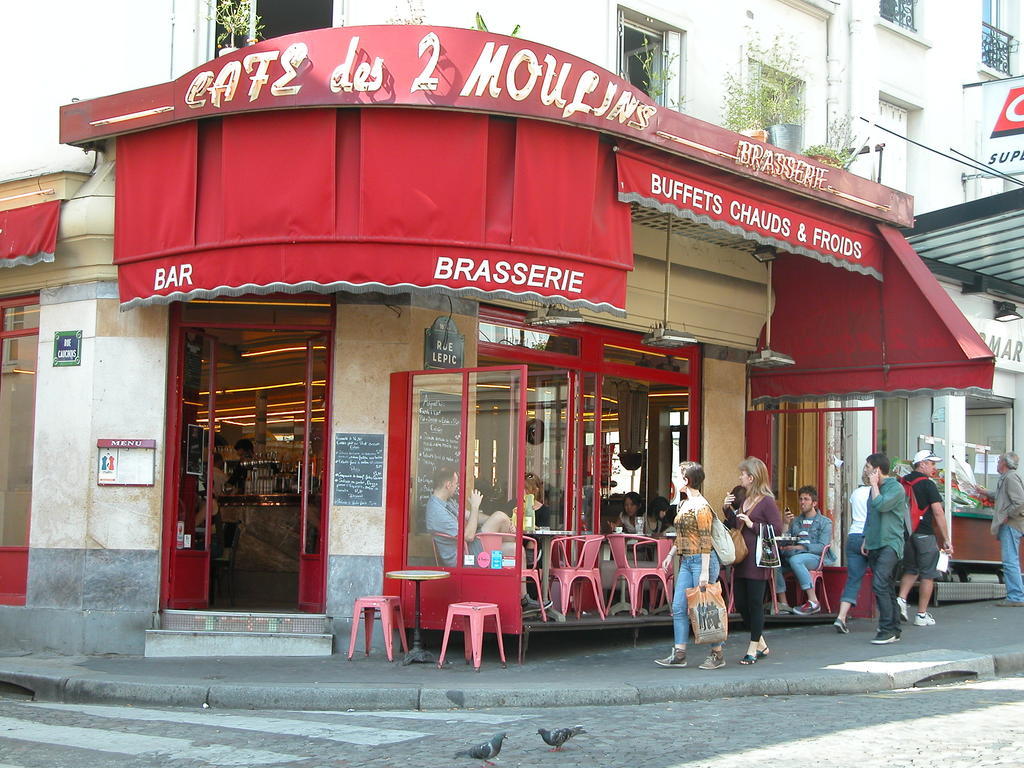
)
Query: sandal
[
  {"x": 762, "y": 654},
  {"x": 748, "y": 659}
]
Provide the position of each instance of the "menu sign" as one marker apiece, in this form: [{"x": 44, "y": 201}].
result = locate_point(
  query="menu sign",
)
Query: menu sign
[
  {"x": 766, "y": 221},
  {"x": 358, "y": 470},
  {"x": 438, "y": 423}
]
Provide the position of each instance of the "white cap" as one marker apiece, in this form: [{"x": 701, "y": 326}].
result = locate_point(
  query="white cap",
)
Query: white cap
[{"x": 924, "y": 456}]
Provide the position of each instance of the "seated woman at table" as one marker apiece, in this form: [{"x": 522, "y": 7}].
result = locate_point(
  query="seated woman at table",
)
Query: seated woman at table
[
  {"x": 632, "y": 516},
  {"x": 541, "y": 511},
  {"x": 660, "y": 516}
]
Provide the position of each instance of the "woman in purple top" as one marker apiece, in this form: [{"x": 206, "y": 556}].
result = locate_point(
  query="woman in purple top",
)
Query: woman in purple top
[{"x": 758, "y": 508}]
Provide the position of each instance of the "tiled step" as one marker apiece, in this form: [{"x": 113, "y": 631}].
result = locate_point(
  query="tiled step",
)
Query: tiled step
[
  {"x": 178, "y": 643},
  {"x": 231, "y": 621}
]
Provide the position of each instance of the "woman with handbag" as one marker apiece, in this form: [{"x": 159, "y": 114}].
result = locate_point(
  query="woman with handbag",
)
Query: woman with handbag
[
  {"x": 698, "y": 563},
  {"x": 757, "y": 511}
]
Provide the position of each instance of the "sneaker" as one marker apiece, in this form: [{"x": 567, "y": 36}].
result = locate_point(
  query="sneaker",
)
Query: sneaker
[
  {"x": 784, "y": 608},
  {"x": 903, "y": 608},
  {"x": 924, "y": 620},
  {"x": 807, "y": 609},
  {"x": 884, "y": 638},
  {"x": 841, "y": 627},
  {"x": 675, "y": 659},
  {"x": 715, "y": 660}
]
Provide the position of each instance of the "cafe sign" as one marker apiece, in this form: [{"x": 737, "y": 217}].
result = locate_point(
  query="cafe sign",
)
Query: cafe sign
[{"x": 459, "y": 69}]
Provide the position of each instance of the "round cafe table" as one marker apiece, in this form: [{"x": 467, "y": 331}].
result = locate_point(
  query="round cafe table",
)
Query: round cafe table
[{"x": 417, "y": 654}]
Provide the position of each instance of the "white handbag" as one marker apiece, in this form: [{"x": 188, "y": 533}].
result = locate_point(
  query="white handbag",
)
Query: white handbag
[{"x": 722, "y": 542}]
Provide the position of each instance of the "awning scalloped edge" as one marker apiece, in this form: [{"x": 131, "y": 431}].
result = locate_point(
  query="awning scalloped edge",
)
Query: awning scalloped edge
[
  {"x": 346, "y": 287},
  {"x": 782, "y": 245},
  {"x": 27, "y": 260},
  {"x": 847, "y": 396}
]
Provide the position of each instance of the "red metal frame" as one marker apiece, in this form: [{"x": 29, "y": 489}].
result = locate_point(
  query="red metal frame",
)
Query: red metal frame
[
  {"x": 592, "y": 340},
  {"x": 499, "y": 586},
  {"x": 14, "y": 559},
  {"x": 173, "y": 439}
]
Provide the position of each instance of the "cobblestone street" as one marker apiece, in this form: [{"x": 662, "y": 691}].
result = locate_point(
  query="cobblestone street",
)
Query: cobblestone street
[{"x": 951, "y": 725}]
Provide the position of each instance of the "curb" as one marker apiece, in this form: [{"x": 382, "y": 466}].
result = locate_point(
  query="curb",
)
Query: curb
[{"x": 906, "y": 671}]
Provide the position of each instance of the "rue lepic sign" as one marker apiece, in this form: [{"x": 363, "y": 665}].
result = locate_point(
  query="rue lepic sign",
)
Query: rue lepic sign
[
  {"x": 67, "y": 348},
  {"x": 443, "y": 345}
]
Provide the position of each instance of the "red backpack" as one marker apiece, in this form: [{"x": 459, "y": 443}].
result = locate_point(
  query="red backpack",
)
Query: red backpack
[{"x": 916, "y": 512}]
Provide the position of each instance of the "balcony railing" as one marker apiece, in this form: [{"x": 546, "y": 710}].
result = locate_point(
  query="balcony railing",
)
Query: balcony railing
[
  {"x": 900, "y": 12},
  {"x": 996, "y": 46}
]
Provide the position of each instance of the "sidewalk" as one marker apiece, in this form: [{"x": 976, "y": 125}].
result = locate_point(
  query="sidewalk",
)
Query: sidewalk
[{"x": 570, "y": 669}]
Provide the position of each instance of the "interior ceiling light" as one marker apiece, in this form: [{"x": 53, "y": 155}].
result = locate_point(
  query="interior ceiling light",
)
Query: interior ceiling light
[
  {"x": 1006, "y": 311},
  {"x": 553, "y": 317},
  {"x": 768, "y": 357},
  {"x": 660, "y": 334}
]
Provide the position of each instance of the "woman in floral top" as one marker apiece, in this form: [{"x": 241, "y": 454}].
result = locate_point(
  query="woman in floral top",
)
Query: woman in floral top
[{"x": 698, "y": 563}]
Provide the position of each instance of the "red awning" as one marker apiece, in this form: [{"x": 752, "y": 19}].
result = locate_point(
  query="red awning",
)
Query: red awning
[
  {"x": 29, "y": 235},
  {"x": 384, "y": 200},
  {"x": 752, "y": 211},
  {"x": 852, "y": 336}
]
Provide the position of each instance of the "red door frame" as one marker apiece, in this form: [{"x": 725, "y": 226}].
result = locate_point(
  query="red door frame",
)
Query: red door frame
[
  {"x": 14, "y": 560},
  {"x": 172, "y": 440},
  {"x": 592, "y": 340},
  {"x": 499, "y": 586}
]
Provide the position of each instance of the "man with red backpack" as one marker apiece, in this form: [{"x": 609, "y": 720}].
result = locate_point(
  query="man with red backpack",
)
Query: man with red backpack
[{"x": 926, "y": 536}]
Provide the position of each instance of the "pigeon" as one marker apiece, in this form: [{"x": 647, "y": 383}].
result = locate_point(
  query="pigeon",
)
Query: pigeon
[
  {"x": 558, "y": 737},
  {"x": 485, "y": 751}
]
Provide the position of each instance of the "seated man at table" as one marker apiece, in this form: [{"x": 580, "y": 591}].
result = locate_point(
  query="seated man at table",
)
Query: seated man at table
[
  {"x": 442, "y": 517},
  {"x": 813, "y": 532}
]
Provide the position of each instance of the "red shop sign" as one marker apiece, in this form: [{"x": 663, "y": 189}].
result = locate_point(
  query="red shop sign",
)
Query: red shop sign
[{"x": 754, "y": 218}]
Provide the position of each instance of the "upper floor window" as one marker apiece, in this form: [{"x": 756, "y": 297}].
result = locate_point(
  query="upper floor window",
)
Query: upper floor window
[
  {"x": 649, "y": 57},
  {"x": 274, "y": 18},
  {"x": 899, "y": 12},
  {"x": 996, "y": 45}
]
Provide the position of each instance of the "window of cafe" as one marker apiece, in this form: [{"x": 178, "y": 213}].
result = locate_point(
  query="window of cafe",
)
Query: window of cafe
[
  {"x": 250, "y": 385},
  {"x": 605, "y": 417},
  {"x": 19, "y": 346}
]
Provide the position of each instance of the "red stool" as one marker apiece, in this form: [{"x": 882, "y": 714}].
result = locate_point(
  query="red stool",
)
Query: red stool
[
  {"x": 473, "y": 616},
  {"x": 390, "y": 609}
]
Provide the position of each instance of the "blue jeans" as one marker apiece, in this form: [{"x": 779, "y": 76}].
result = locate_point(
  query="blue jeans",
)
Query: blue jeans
[
  {"x": 856, "y": 566},
  {"x": 688, "y": 577},
  {"x": 883, "y": 564},
  {"x": 1009, "y": 541},
  {"x": 799, "y": 564}
]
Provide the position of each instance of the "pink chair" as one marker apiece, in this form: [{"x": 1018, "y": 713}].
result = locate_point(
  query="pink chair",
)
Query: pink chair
[
  {"x": 435, "y": 537},
  {"x": 574, "y": 558},
  {"x": 390, "y": 609},
  {"x": 531, "y": 555},
  {"x": 473, "y": 616},
  {"x": 628, "y": 566},
  {"x": 818, "y": 575}
]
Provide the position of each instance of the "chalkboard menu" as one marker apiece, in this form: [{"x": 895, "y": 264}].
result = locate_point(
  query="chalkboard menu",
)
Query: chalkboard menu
[
  {"x": 358, "y": 470},
  {"x": 439, "y": 418}
]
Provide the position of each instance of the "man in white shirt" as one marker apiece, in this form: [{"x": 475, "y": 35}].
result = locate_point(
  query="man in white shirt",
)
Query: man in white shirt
[{"x": 856, "y": 560}]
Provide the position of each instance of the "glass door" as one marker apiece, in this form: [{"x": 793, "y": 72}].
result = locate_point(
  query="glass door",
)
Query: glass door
[
  {"x": 312, "y": 504},
  {"x": 196, "y": 529}
]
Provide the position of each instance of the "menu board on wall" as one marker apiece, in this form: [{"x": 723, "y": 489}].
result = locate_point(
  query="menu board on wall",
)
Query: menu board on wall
[
  {"x": 439, "y": 421},
  {"x": 358, "y": 470}
]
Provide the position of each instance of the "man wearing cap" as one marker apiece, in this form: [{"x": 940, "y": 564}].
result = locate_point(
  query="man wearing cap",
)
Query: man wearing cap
[
  {"x": 1008, "y": 525},
  {"x": 921, "y": 553}
]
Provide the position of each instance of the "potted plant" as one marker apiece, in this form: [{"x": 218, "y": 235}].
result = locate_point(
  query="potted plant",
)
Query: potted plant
[
  {"x": 233, "y": 18},
  {"x": 769, "y": 96},
  {"x": 839, "y": 150}
]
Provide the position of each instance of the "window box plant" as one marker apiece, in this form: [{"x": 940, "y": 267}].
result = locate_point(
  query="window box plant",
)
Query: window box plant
[{"x": 769, "y": 95}]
